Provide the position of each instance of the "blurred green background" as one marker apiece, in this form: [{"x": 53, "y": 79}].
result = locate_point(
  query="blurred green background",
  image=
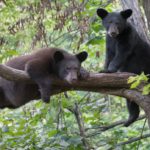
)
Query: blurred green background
[{"x": 26, "y": 25}]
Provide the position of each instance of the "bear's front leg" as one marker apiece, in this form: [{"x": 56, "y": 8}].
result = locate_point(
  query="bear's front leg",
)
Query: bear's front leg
[
  {"x": 120, "y": 58},
  {"x": 44, "y": 84},
  {"x": 115, "y": 64},
  {"x": 38, "y": 71}
]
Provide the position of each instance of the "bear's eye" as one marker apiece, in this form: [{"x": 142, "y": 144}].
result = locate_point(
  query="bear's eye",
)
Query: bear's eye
[
  {"x": 75, "y": 68},
  {"x": 68, "y": 68}
]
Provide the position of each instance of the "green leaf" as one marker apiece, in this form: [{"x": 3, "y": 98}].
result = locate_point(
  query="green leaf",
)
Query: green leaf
[
  {"x": 94, "y": 41},
  {"x": 64, "y": 143},
  {"x": 146, "y": 89}
]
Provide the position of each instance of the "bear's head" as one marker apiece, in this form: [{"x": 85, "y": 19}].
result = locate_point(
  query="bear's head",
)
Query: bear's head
[
  {"x": 68, "y": 66},
  {"x": 114, "y": 22}
]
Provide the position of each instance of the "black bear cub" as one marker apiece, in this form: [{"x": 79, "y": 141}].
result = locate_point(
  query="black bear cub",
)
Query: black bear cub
[
  {"x": 41, "y": 66},
  {"x": 126, "y": 51}
]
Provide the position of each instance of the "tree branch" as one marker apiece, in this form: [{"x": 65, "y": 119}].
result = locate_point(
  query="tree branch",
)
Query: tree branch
[
  {"x": 131, "y": 141},
  {"x": 14, "y": 74},
  {"x": 78, "y": 116},
  {"x": 112, "y": 83},
  {"x": 105, "y": 128}
]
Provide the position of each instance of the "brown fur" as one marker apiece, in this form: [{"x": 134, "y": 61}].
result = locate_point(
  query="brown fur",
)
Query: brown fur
[{"x": 39, "y": 65}]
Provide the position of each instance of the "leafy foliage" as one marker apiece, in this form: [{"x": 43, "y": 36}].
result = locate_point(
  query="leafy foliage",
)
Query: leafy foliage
[
  {"x": 139, "y": 79},
  {"x": 72, "y": 25}
]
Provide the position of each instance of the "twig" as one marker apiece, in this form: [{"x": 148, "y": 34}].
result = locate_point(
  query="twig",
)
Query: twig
[
  {"x": 131, "y": 141},
  {"x": 80, "y": 123},
  {"x": 141, "y": 133},
  {"x": 59, "y": 115},
  {"x": 105, "y": 128}
]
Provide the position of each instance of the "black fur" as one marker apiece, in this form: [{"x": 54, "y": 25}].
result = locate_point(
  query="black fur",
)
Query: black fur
[
  {"x": 41, "y": 66},
  {"x": 126, "y": 51}
]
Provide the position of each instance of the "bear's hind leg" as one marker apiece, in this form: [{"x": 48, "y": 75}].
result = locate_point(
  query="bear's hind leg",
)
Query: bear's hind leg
[{"x": 134, "y": 112}]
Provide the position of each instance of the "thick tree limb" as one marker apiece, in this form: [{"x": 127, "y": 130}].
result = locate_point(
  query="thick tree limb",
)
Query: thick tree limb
[
  {"x": 13, "y": 74},
  {"x": 113, "y": 84}
]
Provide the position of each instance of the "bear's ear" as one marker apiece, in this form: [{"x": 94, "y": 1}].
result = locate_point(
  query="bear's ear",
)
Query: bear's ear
[
  {"x": 102, "y": 13},
  {"x": 82, "y": 56},
  {"x": 58, "y": 56},
  {"x": 126, "y": 13}
]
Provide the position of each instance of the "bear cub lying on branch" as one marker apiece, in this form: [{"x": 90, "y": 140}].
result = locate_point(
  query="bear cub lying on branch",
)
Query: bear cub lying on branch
[
  {"x": 126, "y": 51},
  {"x": 40, "y": 66}
]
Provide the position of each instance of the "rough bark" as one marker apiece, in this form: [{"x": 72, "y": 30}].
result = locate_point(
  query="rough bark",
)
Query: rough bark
[
  {"x": 13, "y": 74},
  {"x": 113, "y": 84},
  {"x": 137, "y": 18},
  {"x": 146, "y": 5}
]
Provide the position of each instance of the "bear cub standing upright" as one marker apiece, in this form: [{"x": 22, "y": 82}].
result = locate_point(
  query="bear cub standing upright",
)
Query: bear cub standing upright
[
  {"x": 126, "y": 51},
  {"x": 40, "y": 65}
]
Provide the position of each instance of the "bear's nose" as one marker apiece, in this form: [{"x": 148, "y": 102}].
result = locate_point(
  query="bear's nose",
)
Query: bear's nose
[
  {"x": 113, "y": 34},
  {"x": 74, "y": 79}
]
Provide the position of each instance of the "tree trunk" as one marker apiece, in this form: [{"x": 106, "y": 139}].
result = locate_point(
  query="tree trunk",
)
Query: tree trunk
[
  {"x": 137, "y": 19},
  {"x": 146, "y": 6}
]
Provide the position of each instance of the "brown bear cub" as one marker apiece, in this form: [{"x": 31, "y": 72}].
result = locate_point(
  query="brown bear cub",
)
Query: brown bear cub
[{"x": 40, "y": 66}]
